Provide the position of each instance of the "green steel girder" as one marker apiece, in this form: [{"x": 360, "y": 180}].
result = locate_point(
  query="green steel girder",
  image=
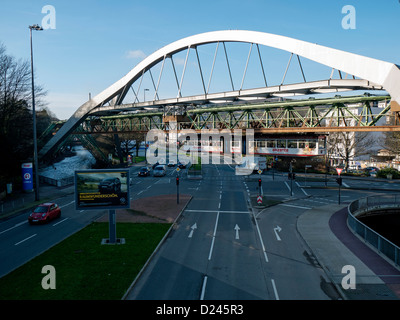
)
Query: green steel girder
[{"x": 311, "y": 113}]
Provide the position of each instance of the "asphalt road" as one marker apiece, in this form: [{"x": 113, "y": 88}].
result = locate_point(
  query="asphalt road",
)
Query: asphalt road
[
  {"x": 220, "y": 248},
  {"x": 20, "y": 242}
]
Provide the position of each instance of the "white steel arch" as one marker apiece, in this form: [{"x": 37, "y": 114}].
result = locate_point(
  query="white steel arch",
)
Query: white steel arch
[{"x": 379, "y": 73}]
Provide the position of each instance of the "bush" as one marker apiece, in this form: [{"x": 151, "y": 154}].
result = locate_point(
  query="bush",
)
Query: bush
[{"x": 384, "y": 172}]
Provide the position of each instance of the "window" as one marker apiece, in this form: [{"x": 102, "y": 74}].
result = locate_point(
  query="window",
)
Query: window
[
  {"x": 312, "y": 144},
  {"x": 261, "y": 144},
  {"x": 281, "y": 143},
  {"x": 292, "y": 144},
  {"x": 271, "y": 143},
  {"x": 321, "y": 144},
  {"x": 302, "y": 144}
]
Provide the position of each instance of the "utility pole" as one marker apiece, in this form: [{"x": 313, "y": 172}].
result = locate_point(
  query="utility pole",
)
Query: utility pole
[{"x": 35, "y": 154}]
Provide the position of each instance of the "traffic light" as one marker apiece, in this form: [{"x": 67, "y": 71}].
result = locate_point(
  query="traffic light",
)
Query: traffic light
[
  {"x": 293, "y": 176},
  {"x": 339, "y": 181},
  {"x": 289, "y": 176},
  {"x": 259, "y": 182},
  {"x": 177, "y": 181}
]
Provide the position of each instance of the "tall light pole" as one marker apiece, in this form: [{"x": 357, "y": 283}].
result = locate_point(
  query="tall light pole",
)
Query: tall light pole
[{"x": 35, "y": 154}]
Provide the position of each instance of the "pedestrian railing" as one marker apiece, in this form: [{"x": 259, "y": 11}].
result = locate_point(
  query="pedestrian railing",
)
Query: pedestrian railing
[
  {"x": 374, "y": 203},
  {"x": 57, "y": 182}
]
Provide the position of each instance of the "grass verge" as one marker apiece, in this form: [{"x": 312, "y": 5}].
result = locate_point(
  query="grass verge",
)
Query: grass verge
[{"x": 85, "y": 269}]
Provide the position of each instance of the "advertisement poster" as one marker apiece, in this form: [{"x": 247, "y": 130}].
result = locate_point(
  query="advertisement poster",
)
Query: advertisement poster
[{"x": 102, "y": 189}]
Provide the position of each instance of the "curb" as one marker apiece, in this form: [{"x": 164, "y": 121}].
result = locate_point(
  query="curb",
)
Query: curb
[{"x": 155, "y": 250}]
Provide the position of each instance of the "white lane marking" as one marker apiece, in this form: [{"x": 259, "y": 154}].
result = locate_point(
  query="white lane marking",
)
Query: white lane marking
[
  {"x": 73, "y": 201},
  {"x": 212, "y": 211},
  {"x": 203, "y": 289},
  {"x": 261, "y": 239},
  {"x": 60, "y": 222},
  {"x": 275, "y": 291},
  {"x": 15, "y": 226},
  {"x": 293, "y": 206},
  {"x": 302, "y": 189},
  {"x": 213, "y": 239},
  {"x": 25, "y": 239}
]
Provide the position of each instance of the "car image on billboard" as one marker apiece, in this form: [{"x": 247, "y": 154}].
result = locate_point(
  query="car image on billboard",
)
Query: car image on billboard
[{"x": 102, "y": 189}]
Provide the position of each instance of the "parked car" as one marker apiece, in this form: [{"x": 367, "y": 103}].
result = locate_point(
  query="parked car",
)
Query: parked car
[
  {"x": 110, "y": 185},
  {"x": 144, "y": 172},
  {"x": 44, "y": 213},
  {"x": 371, "y": 170},
  {"x": 159, "y": 171}
]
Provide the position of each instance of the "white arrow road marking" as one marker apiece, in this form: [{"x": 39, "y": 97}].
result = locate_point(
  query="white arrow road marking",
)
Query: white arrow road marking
[
  {"x": 276, "y": 230},
  {"x": 193, "y": 227},
  {"x": 237, "y": 232}
]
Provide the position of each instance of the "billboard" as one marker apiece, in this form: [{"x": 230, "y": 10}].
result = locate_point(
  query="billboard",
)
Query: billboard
[{"x": 102, "y": 189}]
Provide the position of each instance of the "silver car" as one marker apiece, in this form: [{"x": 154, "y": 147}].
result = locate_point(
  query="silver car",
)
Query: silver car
[{"x": 159, "y": 171}]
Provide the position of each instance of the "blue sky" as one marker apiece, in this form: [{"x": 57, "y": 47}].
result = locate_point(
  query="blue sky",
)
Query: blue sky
[{"x": 95, "y": 43}]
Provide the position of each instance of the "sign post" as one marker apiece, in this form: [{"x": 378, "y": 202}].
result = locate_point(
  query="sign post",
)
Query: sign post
[
  {"x": 339, "y": 180},
  {"x": 112, "y": 227},
  {"x": 177, "y": 185},
  {"x": 305, "y": 172},
  {"x": 291, "y": 179}
]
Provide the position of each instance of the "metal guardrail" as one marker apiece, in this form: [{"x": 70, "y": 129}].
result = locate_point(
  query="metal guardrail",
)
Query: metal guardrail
[
  {"x": 57, "y": 182},
  {"x": 371, "y": 203}
]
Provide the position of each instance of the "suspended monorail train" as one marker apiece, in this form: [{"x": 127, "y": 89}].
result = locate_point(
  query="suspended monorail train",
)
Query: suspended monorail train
[{"x": 277, "y": 145}]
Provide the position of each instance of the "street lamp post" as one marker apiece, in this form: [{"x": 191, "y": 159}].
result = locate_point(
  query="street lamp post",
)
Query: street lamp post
[
  {"x": 35, "y": 155},
  {"x": 144, "y": 94}
]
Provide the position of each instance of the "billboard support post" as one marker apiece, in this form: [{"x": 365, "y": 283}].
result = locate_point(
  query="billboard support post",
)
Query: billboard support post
[{"x": 112, "y": 228}]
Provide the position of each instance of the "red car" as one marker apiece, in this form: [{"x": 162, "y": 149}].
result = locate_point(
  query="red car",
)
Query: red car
[{"x": 44, "y": 212}]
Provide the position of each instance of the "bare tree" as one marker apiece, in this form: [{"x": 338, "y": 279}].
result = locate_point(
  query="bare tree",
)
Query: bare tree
[
  {"x": 347, "y": 145},
  {"x": 131, "y": 142},
  {"x": 15, "y": 112},
  {"x": 391, "y": 140}
]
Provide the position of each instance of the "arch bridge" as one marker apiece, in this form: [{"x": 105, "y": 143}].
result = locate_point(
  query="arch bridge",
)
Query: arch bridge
[{"x": 235, "y": 79}]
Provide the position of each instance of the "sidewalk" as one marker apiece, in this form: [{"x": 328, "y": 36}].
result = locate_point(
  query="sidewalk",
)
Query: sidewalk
[{"x": 325, "y": 231}]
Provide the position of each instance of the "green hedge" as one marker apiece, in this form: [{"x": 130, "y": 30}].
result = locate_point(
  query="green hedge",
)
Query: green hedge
[{"x": 384, "y": 172}]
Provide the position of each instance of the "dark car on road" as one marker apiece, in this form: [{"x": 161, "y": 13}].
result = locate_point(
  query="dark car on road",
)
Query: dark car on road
[
  {"x": 144, "y": 172},
  {"x": 110, "y": 185},
  {"x": 44, "y": 212},
  {"x": 181, "y": 165}
]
